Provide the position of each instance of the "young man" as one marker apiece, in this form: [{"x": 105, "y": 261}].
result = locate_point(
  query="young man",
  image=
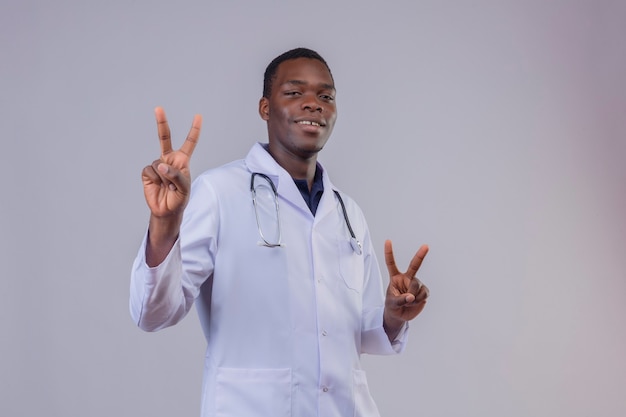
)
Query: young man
[{"x": 278, "y": 261}]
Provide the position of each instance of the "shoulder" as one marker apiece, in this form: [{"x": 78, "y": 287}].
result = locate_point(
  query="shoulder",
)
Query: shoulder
[
  {"x": 218, "y": 188},
  {"x": 225, "y": 176}
]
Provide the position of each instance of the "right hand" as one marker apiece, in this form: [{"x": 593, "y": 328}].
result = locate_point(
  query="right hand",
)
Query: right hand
[{"x": 167, "y": 182}]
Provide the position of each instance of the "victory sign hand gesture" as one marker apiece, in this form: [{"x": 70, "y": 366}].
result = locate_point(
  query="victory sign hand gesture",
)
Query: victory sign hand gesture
[
  {"x": 166, "y": 186},
  {"x": 166, "y": 183},
  {"x": 406, "y": 295}
]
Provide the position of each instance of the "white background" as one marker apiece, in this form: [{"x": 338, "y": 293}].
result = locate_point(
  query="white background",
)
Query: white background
[{"x": 495, "y": 131}]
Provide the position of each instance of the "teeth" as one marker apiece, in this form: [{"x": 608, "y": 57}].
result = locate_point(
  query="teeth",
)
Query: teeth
[{"x": 307, "y": 122}]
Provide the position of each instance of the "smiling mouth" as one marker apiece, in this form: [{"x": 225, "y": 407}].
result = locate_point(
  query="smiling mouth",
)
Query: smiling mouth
[{"x": 309, "y": 123}]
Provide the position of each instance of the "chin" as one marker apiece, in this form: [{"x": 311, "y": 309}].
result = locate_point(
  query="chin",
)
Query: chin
[{"x": 311, "y": 150}]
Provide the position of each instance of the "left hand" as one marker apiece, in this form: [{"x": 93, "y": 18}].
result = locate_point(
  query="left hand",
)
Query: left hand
[{"x": 406, "y": 295}]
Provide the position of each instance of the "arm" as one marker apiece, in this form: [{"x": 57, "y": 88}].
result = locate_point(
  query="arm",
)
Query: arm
[
  {"x": 406, "y": 295},
  {"x": 159, "y": 294},
  {"x": 374, "y": 337}
]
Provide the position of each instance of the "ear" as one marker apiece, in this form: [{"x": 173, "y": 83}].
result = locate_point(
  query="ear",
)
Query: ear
[{"x": 264, "y": 108}]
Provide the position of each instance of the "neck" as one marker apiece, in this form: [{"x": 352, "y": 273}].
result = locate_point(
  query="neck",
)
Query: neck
[{"x": 298, "y": 167}]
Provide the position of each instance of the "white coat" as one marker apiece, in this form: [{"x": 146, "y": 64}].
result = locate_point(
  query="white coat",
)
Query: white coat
[{"x": 284, "y": 326}]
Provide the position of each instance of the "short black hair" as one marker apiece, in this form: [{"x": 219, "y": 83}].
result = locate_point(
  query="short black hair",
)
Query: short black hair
[{"x": 270, "y": 71}]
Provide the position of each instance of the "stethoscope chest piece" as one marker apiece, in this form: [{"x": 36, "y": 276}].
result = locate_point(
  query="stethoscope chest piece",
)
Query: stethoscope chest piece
[{"x": 356, "y": 246}]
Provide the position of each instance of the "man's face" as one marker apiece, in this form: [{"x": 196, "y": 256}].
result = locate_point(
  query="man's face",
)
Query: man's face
[{"x": 300, "y": 111}]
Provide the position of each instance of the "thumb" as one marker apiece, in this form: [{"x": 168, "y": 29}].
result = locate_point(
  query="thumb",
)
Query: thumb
[
  {"x": 172, "y": 177},
  {"x": 402, "y": 299},
  {"x": 165, "y": 172}
]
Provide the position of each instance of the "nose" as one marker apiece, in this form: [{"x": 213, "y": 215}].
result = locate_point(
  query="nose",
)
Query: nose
[{"x": 312, "y": 103}]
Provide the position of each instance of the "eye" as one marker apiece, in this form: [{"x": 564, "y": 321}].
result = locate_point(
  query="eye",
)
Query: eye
[
  {"x": 292, "y": 93},
  {"x": 327, "y": 97}
]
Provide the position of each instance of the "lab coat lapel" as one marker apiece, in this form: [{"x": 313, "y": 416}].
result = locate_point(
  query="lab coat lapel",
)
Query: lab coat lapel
[{"x": 260, "y": 160}]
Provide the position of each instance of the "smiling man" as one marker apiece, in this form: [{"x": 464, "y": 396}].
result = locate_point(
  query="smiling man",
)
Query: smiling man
[{"x": 277, "y": 260}]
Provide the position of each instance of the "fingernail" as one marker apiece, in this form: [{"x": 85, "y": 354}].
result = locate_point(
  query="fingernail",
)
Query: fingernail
[{"x": 162, "y": 168}]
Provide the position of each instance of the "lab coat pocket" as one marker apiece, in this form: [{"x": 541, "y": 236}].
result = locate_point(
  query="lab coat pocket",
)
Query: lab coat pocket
[
  {"x": 350, "y": 265},
  {"x": 364, "y": 405},
  {"x": 253, "y": 392}
]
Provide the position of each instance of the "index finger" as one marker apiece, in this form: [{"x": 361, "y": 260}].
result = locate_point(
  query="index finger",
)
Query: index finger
[
  {"x": 389, "y": 259},
  {"x": 164, "y": 131},
  {"x": 192, "y": 137},
  {"x": 417, "y": 260}
]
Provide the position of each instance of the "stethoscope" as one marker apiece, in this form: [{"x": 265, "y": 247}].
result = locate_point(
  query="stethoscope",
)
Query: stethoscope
[{"x": 354, "y": 242}]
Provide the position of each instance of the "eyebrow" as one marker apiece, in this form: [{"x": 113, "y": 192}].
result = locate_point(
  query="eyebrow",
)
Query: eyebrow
[{"x": 300, "y": 82}]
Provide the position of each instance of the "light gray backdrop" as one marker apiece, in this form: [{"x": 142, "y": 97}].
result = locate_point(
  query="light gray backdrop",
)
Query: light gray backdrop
[{"x": 493, "y": 130}]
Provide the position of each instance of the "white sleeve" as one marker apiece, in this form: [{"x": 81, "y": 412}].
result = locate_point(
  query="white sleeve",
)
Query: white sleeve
[{"x": 156, "y": 294}]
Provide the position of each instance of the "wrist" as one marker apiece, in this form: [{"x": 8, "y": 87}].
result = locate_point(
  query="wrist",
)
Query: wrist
[
  {"x": 162, "y": 234},
  {"x": 164, "y": 228},
  {"x": 392, "y": 325}
]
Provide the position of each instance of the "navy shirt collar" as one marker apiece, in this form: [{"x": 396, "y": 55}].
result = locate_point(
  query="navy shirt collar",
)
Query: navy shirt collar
[{"x": 312, "y": 197}]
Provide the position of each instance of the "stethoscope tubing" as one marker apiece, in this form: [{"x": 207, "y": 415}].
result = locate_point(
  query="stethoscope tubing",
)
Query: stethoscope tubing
[{"x": 354, "y": 242}]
